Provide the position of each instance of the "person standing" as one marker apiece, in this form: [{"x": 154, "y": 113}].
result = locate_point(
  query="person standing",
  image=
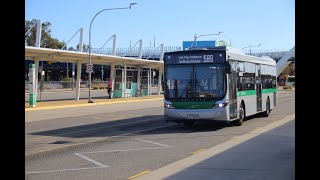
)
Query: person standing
[{"x": 109, "y": 87}]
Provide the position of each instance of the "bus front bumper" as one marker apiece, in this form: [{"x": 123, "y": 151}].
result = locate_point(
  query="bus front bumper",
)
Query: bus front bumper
[{"x": 181, "y": 115}]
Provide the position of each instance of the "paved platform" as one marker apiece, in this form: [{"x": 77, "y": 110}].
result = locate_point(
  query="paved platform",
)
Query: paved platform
[{"x": 84, "y": 102}]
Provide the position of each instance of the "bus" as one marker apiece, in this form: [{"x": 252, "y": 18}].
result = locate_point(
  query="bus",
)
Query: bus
[{"x": 217, "y": 84}]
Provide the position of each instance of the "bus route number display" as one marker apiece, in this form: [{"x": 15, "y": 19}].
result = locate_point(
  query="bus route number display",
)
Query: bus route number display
[{"x": 187, "y": 58}]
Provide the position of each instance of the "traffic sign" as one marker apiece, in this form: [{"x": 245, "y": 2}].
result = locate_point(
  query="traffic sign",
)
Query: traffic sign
[{"x": 89, "y": 68}]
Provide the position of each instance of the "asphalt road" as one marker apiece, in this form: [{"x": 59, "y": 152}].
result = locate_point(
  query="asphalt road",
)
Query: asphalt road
[{"x": 119, "y": 141}]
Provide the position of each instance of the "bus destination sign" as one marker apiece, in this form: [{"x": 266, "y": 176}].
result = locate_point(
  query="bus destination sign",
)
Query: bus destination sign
[{"x": 194, "y": 58}]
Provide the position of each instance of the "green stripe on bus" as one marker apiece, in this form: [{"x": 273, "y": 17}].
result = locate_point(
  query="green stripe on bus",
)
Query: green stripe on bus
[
  {"x": 246, "y": 93},
  {"x": 193, "y": 104},
  {"x": 271, "y": 90}
]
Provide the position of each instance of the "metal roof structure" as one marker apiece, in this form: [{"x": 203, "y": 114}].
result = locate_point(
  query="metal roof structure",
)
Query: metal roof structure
[{"x": 56, "y": 55}]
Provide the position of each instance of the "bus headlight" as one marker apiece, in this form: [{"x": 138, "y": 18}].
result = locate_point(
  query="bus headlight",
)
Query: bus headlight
[
  {"x": 221, "y": 104},
  {"x": 169, "y": 106}
]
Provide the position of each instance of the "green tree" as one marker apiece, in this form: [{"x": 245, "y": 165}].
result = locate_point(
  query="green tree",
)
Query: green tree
[
  {"x": 85, "y": 47},
  {"x": 46, "y": 40}
]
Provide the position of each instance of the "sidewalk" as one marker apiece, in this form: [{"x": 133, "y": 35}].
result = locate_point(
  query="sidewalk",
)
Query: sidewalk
[{"x": 84, "y": 102}]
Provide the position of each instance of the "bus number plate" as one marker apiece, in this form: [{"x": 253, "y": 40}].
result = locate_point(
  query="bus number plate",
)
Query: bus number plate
[{"x": 193, "y": 116}]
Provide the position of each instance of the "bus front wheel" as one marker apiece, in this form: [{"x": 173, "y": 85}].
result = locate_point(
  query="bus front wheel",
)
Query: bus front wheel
[{"x": 242, "y": 115}]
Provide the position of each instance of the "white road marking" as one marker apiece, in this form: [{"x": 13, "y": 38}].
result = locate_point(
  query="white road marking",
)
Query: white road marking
[
  {"x": 62, "y": 170},
  {"x": 91, "y": 160},
  {"x": 152, "y": 142},
  {"x": 143, "y": 130},
  {"x": 123, "y": 150}
]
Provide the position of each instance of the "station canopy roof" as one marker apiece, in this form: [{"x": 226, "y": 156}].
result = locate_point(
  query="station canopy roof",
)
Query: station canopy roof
[{"x": 57, "y": 55}]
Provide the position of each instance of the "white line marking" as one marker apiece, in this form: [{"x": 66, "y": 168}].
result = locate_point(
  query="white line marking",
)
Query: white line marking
[
  {"x": 123, "y": 150},
  {"x": 91, "y": 160},
  {"x": 143, "y": 130},
  {"x": 99, "y": 139},
  {"x": 62, "y": 170},
  {"x": 152, "y": 142}
]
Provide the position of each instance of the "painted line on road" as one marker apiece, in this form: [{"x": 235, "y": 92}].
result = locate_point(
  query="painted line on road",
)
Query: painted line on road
[
  {"x": 88, "y": 104},
  {"x": 152, "y": 142},
  {"x": 115, "y": 125},
  {"x": 178, "y": 166},
  {"x": 62, "y": 170},
  {"x": 96, "y": 140},
  {"x": 198, "y": 151},
  {"x": 139, "y": 174},
  {"x": 125, "y": 150},
  {"x": 91, "y": 160},
  {"x": 144, "y": 130}
]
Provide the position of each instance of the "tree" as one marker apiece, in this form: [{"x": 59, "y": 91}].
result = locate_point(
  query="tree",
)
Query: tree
[
  {"x": 85, "y": 47},
  {"x": 46, "y": 40}
]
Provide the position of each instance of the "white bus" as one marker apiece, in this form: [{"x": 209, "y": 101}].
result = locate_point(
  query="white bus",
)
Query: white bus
[{"x": 220, "y": 84}]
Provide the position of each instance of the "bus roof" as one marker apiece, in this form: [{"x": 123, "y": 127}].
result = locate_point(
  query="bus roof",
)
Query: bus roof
[{"x": 237, "y": 54}]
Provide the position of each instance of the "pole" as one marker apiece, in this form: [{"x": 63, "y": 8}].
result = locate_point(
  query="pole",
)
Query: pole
[
  {"x": 67, "y": 70},
  {"x": 102, "y": 72},
  {"x": 90, "y": 61},
  {"x": 32, "y": 87},
  {"x": 72, "y": 76}
]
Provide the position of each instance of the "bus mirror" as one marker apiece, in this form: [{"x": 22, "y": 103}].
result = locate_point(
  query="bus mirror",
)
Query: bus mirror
[{"x": 228, "y": 68}]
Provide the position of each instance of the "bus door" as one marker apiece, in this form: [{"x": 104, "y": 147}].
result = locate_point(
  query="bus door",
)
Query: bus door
[
  {"x": 232, "y": 81},
  {"x": 258, "y": 88}
]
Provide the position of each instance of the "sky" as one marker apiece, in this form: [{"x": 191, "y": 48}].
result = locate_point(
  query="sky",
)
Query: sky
[{"x": 243, "y": 22}]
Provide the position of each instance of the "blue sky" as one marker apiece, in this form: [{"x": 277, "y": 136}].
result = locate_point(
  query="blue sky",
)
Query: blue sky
[{"x": 267, "y": 22}]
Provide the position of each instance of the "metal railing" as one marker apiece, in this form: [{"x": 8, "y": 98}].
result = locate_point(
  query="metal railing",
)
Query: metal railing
[
  {"x": 151, "y": 52},
  {"x": 67, "y": 85}
]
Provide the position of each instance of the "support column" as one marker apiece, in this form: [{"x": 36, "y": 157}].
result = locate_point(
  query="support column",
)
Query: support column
[
  {"x": 161, "y": 53},
  {"x": 112, "y": 79},
  {"x": 140, "y": 49},
  {"x": 79, "y": 64},
  {"x": 149, "y": 79},
  {"x": 81, "y": 40},
  {"x": 125, "y": 80},
  {"x": 36, "y": 61},
  {"x": 114, "y": 45},
  {"x": 139, "y": 82},
  {"x": 159, "y": 81}
]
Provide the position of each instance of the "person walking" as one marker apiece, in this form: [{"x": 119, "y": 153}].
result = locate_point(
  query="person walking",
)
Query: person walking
[{"x": 109, "y": 87}]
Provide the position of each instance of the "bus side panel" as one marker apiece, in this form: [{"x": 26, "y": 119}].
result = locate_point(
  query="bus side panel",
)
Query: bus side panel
[{"x": 250, "y": 103}]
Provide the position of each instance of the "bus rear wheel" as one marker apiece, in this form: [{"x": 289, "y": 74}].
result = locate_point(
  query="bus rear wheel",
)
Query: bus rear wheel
[
  {"x": 242, "y": 115},
  {"x": 267, "y": 112}
]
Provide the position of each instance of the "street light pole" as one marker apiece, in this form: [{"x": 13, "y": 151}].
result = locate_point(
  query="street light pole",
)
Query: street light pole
[
  {"x": 90, "y": 61},
  {"x": 250, "y": 46},
  {"x": 196, "y": 37}
]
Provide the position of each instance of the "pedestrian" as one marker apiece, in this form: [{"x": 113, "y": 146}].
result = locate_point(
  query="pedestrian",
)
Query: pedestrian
[{"x": 109, "y": 87}]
